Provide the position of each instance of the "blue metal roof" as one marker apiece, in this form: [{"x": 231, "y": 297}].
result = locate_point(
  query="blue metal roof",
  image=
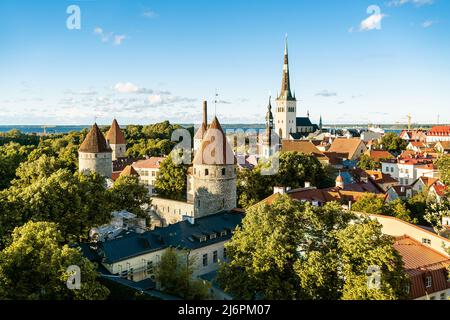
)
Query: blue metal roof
[{"x": 181, "y": 235}]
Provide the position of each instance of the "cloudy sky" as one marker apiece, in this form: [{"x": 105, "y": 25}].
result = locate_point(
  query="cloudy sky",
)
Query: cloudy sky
[{"x": 352, "y": 61}]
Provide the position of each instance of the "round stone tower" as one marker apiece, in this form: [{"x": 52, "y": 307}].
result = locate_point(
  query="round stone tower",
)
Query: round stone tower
[
  {"x": 94, "y": 154},
  {"x": 214, "y": 173}
]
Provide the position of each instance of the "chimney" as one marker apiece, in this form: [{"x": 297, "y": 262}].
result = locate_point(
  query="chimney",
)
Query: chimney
[
  {"x": 307, "y": 184},
  {"x": 205, "y": 113}
]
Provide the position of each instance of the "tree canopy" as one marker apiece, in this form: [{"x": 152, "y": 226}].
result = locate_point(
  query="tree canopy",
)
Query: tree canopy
[
  {"x": 34, "y": 266},
  {"x": 171, "y": 180},
  {"x": 294, "y": 170},
  {"x": 174, "y": 273},
  {"x": 292, "y": 250},
  {"x": 392, "y": 142}
]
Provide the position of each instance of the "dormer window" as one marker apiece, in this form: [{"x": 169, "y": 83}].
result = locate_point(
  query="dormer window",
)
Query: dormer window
[
  {"x": 223, "y": 233},
  {"x": 212, "y": 236},
  {"x": 203, "y": 239}
]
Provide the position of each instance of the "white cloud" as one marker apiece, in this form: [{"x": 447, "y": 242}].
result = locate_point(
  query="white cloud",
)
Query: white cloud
[
  {"x": 371, "y": 23},
  {"x": 149, "y": 14},
  {"x": 428, "y": 23},
  {"x": 326, "y": 93},
  {"x": 418, "y": 3},
  {"x": 118, "y": 39},
  {"x": 126, "y": 87},
  {"x": 105, "y": 37}
]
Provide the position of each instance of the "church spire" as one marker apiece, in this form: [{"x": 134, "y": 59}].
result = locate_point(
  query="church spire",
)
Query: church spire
[{"x": 285, "y": 82}]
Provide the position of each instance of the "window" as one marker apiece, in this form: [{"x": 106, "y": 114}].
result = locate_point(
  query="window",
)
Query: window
[
  {"x": 215, "y": 257},
  {"x": 205, "y": 259},
  {"x": 206, "y": 172},
  {"x": 149, "y": 267},
  {"x": 224, "y": 253},
  {"x": 392, "y": 169},
  {"x": 426, "y": 241},
  {"x": 223, "y": 233},
  {"x": 131, "y": 274},
  {"x": 428, "y": 282},
  {"x": 223, "y": 171},
  {"x": 213, "y": 236},
  {"x": 202, "y": 239},
  {"x": 443, "y": 296}
]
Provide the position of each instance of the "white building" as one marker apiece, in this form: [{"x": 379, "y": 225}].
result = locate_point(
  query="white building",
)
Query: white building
[{"x": 148, "y": 171}]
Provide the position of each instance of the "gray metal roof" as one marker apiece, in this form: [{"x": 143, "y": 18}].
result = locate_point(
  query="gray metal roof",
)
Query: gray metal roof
[{"x": 181, "y": 235}]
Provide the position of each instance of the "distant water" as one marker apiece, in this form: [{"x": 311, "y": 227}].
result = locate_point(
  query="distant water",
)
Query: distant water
[
  {"x": 39, "y": 129},
  {"x": 65, "y": 129}
]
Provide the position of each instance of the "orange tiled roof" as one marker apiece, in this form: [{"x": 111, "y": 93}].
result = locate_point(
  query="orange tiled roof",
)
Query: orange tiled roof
[
  {"x": 129, "y": 171},
  {"x": 302, "y": 146},
  {"x": 345, "y": 146},
  {"x": 151, "y": 163}
]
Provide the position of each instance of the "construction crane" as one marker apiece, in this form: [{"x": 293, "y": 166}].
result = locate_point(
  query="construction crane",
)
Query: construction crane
[{"x": 409, "y": 121}]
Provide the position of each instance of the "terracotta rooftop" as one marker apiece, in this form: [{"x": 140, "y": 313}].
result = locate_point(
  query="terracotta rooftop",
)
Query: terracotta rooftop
[
  {"x": 345, "y": 146},
  {"x": 150, "y": 163},
  {"x": 129, "y": 171},
  {"x": 302, "y": 146},
  {"x": 378, "y": 155},
  {"x": 94, "y": 142},
  {"x": 201, "y": 131},
  {"x": 214, "y": 149},
  {"x": 115, "y": 134}
]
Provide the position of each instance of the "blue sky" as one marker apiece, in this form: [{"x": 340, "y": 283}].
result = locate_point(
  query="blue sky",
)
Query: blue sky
[{"x": 146, "y": 61}]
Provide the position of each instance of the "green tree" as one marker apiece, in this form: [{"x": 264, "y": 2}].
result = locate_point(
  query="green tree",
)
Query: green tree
[
  {"x": 399, "y": 209},
  {"x": 436, "y": 211},
  {"x": 443, "y": 164},
  {"x": 128, "y": 194},
  {"x": 294, "y": 169},
  {"x": 11, "y": 156},
  {"x": 77, "y": 202},
  {"x": 174, "y": 273},
  {"x": 369, "y": 203},
  {"x": 34, "y": 267},
  {"x": 171, "y": 180},
  {"x": 367, "y": 163},
  {"x": 364, "y": 248},
  {"x": 293, "y": 250},
  {"x": 392, "y": 142}
]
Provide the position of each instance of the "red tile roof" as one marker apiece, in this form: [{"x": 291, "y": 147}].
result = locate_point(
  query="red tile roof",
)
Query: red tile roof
[
  {"x": 115, "y": 134},
  {"x": 439, "y": 131}
]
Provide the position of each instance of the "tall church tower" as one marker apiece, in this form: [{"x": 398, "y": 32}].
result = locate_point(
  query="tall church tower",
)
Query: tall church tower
[
  {"x": 267, "y": 149},
  {"x": 94, "y": 154},
  {"x": 116, "y": 140},
  {"x": 286, "y": 111},
  {"x": 213, "y": 174}
]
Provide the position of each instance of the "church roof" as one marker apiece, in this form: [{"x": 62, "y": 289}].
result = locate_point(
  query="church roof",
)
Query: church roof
[
  {"x": 286, "y": 93},
  {"x": 94, "y": 142},
  {"x": 303, "y": 122},
  {"x": 115, "y": 134},
  {"x": 214, "y": 148}
]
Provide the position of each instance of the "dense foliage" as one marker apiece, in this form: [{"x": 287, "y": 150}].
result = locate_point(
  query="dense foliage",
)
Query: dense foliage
[
  {"x": 35, "y": 266},
  {"x": 392, "y": 143},
  {"x": 174, "y": 273},
  {"x": 171, "y": 180},
  {"x": 294, "y": 170},
  {"x": 292, "y": 250}
]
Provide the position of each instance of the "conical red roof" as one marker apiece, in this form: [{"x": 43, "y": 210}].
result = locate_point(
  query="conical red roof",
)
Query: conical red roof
[
  {"x": 94, "y": 142},
  {"x": 214, "y": 149},
  {"x": 115, "y": 134}
]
